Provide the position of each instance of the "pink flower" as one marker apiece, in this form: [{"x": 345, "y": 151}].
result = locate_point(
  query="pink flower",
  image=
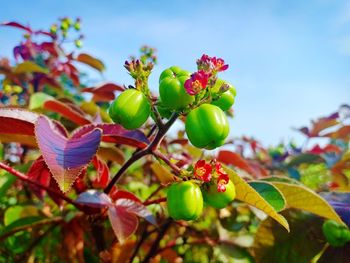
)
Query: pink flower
[
  {"x": 219, "y": 64},
  {"x": 197, "y": 82},
  {"x": 202, "y": 170}
]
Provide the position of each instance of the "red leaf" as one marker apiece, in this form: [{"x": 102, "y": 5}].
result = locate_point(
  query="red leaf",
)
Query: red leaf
[
  {"x": 66, "y": 158},
  {"x": 104, "y": 92},
  {"x": 120, "y": 194},
  {"x": 328, "y": 148},
  {"x": 320, "y": 125},
  {"x": 341, "y": 133},
  {"x": 234, "y": 159},
  {"x": 39, "y": 172},
  {"x": 94, "y": 198},
  {"x": 123, "y": 217},
  {"x": 136, "y": 208},
  {"x": 124, "y": 224},
  {"x": 102, "y": 173},
  {"x": 17, "y": 25},
  {"x": 66, "y": 111},
  {"x": 116, "y": 134},
  {"x": 17, "y": 121},
  {"x": 17, "y": 125},
  {"x": 91, "y": 61}
]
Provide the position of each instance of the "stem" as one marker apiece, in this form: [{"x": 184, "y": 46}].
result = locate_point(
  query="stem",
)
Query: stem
[
  {"x": 173, "y": 166},
  {"x": 126, "y": 165},
  {"x": 158, "y": 118},
  {"x": 155, "y": 201},
  {"x": 144, "y": 236},
  {"x": 155, "y": 244},
  {"x": 139, "y": 154},
  {"x": 162, "y": 131},
  {"x": 24, "y": 178},
  {"x": 36, "y": 242},
  {"x": 56, "y": 220},
  {"x": 154, "y": 192}
]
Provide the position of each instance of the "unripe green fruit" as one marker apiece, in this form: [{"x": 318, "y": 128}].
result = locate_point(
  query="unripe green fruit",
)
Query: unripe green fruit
[
  {"x": 131, "y": 109},
  {"x": 184, "y": 201},
  {"x": 171, "y": 88},
  {"x": 226, "y": 100},
  {"x": 217, "y": 199},
  {"x": 207, "y": 126},
  {"x": 337, "y": 235}
]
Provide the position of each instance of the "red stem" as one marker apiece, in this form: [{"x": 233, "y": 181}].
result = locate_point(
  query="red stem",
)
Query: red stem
[
  {"x": 164, "y": 158},
  {"x": 24, "y": 178},
  {"x": 155, "y": 201}
]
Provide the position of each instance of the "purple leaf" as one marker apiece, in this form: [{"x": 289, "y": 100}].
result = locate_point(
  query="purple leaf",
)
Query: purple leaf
[
  {"x": 123, "y": 216},
  {"x": 124, "y": 224},
  {"x": 66, "y": 158},
  {"x": 341, "y": 204},
  {"x": 136, "y": 208},
  {"x": 94, "y": 198},
  {"x": 116, "y": 134}
]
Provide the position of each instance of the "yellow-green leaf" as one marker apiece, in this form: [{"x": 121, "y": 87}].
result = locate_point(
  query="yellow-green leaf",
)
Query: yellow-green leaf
[
  {"x": 92, "y": 109},
  {"x": 111, "y": 154},
  {"x": 270, "y": 193},
  {"x": 162, "y": 173},
  {"x": 29, "y": 67},
  {"x": 300, "y": 197},
  {"x": 91, "y": 61},
  {"x": 38, "y": 99},
  {"x": 247, "y": 194}
]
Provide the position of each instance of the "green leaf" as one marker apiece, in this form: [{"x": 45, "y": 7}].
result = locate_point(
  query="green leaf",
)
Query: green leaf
[
  {"x": 300, "y": 197},
  {"x": 270, "y": 193},
  {"x": 22, "y": 222},
  {"x": 305, "y": 158},
  {"x": 16, "y": 212},
  {"x": 247, "y": 194},
  {"x": 282, "y": 179},
  {"x": 303, "y": 243},
  {"x": 6, "y": 181},
  {"x": 38, "y": 99},
  {"x": 232, "y": 254}
]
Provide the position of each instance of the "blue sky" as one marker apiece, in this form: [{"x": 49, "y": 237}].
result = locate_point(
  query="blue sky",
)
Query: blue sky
[{"x": 289, "y": 60}]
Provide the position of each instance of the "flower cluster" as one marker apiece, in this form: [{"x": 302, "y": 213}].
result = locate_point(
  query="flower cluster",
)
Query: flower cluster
[
  {"x": 211, "y": 64},
  {"x": 208, "y": 67},
  {"x": 197, "y": 82},
  {"x": 206, "y": 171}
]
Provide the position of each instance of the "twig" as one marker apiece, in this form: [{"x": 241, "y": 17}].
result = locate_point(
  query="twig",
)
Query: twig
[
  {"x": 139, "y": 154},
  {"x": 36, "y": 242},
  {"x": 165, "y": 159},
  {"x": 154, "y": 192},
  {"x": 24, "y": 178},
  {"x": 155, "y": 245},
  {"x": 145, "y": 234},
  {"x": 126, "y": 165},
  {"x": 35, "y": 224},
  {"x": 155, "y": 201}
]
